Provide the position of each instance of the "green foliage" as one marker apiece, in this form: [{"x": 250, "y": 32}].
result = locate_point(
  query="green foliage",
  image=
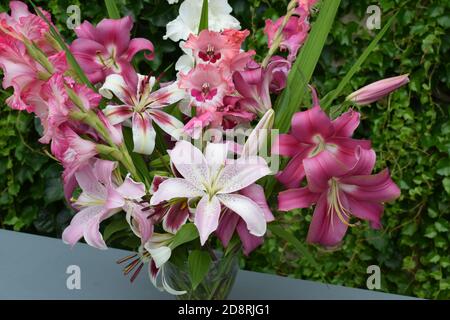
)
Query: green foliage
[
  {"x": 199, "y": 262},
  {"x": 410, "y": 131}
]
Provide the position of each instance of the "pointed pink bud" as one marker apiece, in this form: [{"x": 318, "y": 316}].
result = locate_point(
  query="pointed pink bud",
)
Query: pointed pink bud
[{"x": 377, "y": 90}]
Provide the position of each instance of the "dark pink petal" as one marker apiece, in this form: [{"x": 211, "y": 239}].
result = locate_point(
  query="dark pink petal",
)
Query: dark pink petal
[
  {"x": 227, "y": 224},
  {"x": 294, "y": 171},
  {"x": 296, "y": 199},
  {"x": 286, "y": 145},
  {"x": 86, "y": 30},
  {"x": 139, "y": 44},
  {"x": 346, "y": 123},
  {"x": 176, "y": 217},
  {"x": 115, "y": 32},
  {"x": 325, "y": 228},
  {"x": 249, "y": 241},
  {"x": 378, "y": 187},
  {"x": 365, "y": 210},
  {"x": 306, "y": 125}
]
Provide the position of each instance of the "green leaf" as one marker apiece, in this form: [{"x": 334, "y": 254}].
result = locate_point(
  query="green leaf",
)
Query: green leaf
[
  {"x": 187, "y": 233},
  {"x": 329, "y": 98},
  {"x": 304, "y": 66},
  {"x": 138, "y": 160},
  {"x": 111, "y": 7},
  {"x": 115, "y": 226},
  {"x": 61, "y": 42},
  {"x": 199, "y": 262},
  {"x": 204, "y": 17},
  {"x": 290, "y": 238}
]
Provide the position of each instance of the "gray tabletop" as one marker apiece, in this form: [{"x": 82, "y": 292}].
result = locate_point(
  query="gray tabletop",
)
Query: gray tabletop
[{"x": 34, "y": 267}]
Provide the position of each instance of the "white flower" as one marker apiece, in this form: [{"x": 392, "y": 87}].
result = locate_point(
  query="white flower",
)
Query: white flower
[
  {"x": 189, "y": 19},
  {"x": 172, "y": 1}
]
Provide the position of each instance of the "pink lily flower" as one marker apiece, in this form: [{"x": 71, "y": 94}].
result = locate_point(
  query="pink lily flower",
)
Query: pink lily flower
[
  {"x": 355, "y": 193},
  {"x": 101, "y": 198},
  {"x": 294, "y": 34},
  {"x": 316, "y": 141},
  {"x": 173, "y": 214},
  {"x": 254, "y": 84},
  {"x": 377, "y": 90},
  {"x": 206, "y": 86},
  {"x": 230, "y": 221},
  {"x": 143, "y": 106},
  {"x": 215, "y": 180},
  {"x": 107, "y": 48}
]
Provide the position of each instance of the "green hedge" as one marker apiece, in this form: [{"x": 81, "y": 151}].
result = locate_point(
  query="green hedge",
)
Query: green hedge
[{"x": 410, "y": 131}]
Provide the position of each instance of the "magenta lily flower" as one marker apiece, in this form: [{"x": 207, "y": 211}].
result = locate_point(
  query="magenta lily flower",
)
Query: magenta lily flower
[
  {"x": 255, "y": 84},
  {"x": 230, "y": 221},
  {"x": 315, "y": 140},
  {"x": 377, "y": 90},
  {"x": 101, "y": 198},
  {"x": 107, "y": 48},
  {"x": 143, "y": 106},
  {"x": 215, "y": 180},
  {"x": 356, "y": 193}
]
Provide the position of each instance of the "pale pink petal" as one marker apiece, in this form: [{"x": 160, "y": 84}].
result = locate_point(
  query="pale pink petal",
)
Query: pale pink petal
[
  {"x": 216, "y": 155},
  {"x": 118, "y": 114},
  {"x": 190, "y": 163},
  {"x": 131, "y": 189},
  {"x": 167, "y": 123},
  {"x": 252, "y": 214},
  {"x": 241, "y": 173},
  {"x": 207, "y": 217},
  {"x": 296, "y": 198},
  {"x": 143, "y": 133},
  {"x": 175, "y": 188}
]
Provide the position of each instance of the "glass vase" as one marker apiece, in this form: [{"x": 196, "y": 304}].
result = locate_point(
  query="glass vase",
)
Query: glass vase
[{"x": 216, "y": 285}]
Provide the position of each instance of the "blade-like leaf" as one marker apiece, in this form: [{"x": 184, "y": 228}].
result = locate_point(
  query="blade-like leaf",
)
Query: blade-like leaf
[
  {"x": 304, "y": 66},
  {"x": 329, "y": 98},
  {"x": 199, "y": 262},
  {"x": 187, "y": 233},
  {"x": 138, "y": 160},
  {"x": 204, "y": 17},
  {"x": 290, "y": 238},
  {"x": 70, "y": 58},
  {"x": 111, "y": 7}
]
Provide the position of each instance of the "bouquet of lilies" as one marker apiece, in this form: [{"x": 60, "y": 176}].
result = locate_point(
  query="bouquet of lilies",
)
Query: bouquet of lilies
[{"x": 193, "y": 162}]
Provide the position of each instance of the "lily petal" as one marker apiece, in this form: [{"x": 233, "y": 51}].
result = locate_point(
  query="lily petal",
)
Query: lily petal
[
  {"x": 175, "y": 188},
  {"x": 167, "y": 123},
  {"x": 207, "y": 217},
  {"x": 252, "y": 214},
  {"x": 143, "y": 133},
  {"x": 296, "y": 198},
  {"x": 241, "y": 173}
]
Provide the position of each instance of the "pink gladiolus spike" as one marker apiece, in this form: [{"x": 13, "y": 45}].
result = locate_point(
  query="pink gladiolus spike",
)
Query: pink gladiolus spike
[{"x": 377, "y": 90}]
